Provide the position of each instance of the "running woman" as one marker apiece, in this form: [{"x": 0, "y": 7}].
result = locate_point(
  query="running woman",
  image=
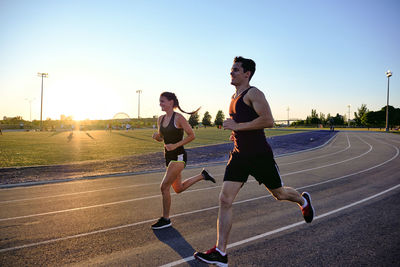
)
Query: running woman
[
  {"x": 171, "y": 127},
  {"x": 249, "y": 114}
]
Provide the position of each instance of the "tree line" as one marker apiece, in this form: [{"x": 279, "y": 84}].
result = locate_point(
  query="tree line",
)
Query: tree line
[
  {"x": 362, "y": 118},
  {"x": 194, "y": 119}
]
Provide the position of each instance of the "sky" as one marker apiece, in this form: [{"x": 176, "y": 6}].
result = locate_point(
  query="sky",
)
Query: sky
[{"x": 322, "y": 55}]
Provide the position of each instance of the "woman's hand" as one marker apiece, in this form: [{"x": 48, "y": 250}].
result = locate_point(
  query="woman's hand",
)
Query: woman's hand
[{"x": 157, "y": 137}]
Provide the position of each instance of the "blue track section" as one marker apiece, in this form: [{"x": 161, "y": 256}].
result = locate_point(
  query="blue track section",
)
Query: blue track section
[{"x": 283, "y": 144}]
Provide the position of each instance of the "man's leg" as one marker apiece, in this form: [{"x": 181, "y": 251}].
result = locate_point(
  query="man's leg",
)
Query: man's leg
[
  {"x": 303, "y": 200},
  {"x": 287, "y": 193},
  {"x": 227, "y": 196},
  {"x": 217, "y": 255}
]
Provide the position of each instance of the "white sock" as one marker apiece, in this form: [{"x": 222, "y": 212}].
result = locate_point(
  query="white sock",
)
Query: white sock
[
  {"x": 222, "y": 253},
  {"x": 305, "y": 202}
]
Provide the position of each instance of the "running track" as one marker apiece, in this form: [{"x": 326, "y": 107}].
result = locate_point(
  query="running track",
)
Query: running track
[{"x": 354, "y": 182}]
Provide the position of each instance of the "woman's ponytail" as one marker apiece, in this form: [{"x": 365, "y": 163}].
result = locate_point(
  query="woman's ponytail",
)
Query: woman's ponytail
[{"x": 172, "y": 96}]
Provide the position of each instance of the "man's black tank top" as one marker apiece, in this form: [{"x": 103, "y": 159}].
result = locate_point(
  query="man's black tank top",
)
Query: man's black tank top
[
  {"x": 172, "y": 135},
  {"x": 252, "y": 142}
]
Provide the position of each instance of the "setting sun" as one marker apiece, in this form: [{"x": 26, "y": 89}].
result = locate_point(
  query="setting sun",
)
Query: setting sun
[{"x": 82, "y": 99}]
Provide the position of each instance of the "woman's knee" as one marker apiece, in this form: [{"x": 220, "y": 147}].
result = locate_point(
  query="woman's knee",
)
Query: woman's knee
[
  {"x": 164, "y": 187},
  {"x": 178, "y": 189}
]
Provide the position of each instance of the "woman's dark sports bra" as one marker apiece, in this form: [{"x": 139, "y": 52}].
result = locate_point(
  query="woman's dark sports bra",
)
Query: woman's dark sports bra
[{"x": 172, "y": 135}]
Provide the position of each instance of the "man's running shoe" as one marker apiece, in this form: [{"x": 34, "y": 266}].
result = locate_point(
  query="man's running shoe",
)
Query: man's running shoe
[
  {"x": 161, "y": 223},
  {"x": 308, "y": 211},
  {"x": 207, "y": 176},
  {"x": 212, "y": 256}
]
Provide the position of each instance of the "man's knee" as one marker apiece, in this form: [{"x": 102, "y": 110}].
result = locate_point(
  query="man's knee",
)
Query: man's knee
[{"x": 225, "y": 201}]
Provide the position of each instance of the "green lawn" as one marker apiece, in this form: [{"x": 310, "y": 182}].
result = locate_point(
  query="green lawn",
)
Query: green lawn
[{"x": 49, "y": 148}]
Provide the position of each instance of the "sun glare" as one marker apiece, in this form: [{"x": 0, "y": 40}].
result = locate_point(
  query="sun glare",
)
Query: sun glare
[{"x": 84, "y": 99}]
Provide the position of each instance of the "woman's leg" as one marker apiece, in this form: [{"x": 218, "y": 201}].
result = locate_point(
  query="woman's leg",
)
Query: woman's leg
[
  {"x": 180, "y": 186},
  {"x": 173, "y": 172}
]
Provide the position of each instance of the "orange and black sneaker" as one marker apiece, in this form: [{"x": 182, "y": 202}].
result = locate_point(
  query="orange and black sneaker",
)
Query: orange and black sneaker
[
  {"x": 308, "y": 211},
  {"x": 212, "y": 256}
]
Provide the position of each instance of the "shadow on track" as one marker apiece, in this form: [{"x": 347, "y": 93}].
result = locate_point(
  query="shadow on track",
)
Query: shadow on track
[{"x": 177, "y": 242}]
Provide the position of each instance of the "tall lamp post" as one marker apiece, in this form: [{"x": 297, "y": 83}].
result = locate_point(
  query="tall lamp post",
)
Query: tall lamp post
[
  {"x": 139, "y": 92},
  {"x": 30, "y": 107},
  {"x": 348, "y": 120},
  {"x": 43, "y": 75},
  {"x": 288, "y": 124},
  {"x": 388, "y": 75}
]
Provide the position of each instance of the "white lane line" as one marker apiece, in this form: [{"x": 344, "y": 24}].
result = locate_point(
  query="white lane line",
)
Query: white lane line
[
  {"x": 182, "y": 214},
  {"x": 77, "y": 193},
  {"x": 335, "y": 163},
  {"x": 263, "y": 235},
  {"x": 156, "y": 196},
  {"x": 138, "y": 185},
  {"x": 102, "y": 205}
]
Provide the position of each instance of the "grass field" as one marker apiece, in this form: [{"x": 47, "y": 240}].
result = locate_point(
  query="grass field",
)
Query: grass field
[{"x": 49, "y": 148}]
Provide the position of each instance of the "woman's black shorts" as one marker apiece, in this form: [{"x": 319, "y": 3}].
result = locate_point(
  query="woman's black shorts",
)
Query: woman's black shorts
[
  {"x": 262, "y": 167},
  {"x": 175, "y": 156}
]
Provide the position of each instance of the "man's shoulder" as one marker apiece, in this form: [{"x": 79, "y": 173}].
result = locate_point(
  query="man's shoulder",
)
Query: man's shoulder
[
  {"x": 254, "y": 89},
  {"x": 255, "y": 93}
]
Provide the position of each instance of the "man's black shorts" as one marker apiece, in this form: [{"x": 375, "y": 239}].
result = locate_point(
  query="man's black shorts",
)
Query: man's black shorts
[{"x": 262, "y": 167}]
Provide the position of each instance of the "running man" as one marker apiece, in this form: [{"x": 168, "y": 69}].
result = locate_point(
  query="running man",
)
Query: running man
[
  {"x": 249, "y": 114},
  {"x": 171, "y": 127}
]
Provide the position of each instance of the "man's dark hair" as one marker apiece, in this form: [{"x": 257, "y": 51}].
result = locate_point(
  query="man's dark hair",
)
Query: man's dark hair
[{"x": 247, "y": 65}]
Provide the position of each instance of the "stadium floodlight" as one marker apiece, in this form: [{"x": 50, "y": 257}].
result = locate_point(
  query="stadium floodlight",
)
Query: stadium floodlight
[
  {"x": 139, "y": 92},
  {"x": 288, "y": 122},
  {"x": 388, "y": 75},
  {"x": 30, "y": 107},
  {"x": 43, "y": 75},
  {"x": 348, "y": 120}
]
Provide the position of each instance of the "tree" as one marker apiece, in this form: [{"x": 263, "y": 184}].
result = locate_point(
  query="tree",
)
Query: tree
[
  {"x": 313, "y": 119},
  {"x": 206, "y": 119},
  {"x": 194, "y": 120},
  {"x": 219, "y": 118},
  {"x": 360, "y": 114},
  {"x": 338, "y": 119},
  {"x": 322, "y": 118}
]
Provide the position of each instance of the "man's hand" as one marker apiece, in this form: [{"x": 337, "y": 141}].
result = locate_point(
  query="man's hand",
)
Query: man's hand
[
  {"x": 170, "y": 147},
  {"x": 230, "y": 124}
]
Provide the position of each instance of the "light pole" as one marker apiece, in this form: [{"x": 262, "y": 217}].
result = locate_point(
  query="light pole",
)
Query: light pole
[
  {"x": 139, "y": 92},
  {"x": 288, "y": 116},
  {"x": 348, "y": 120},
  {"x": 30, "y": 107},
  {"x": 388, "y": 75},
  {"x": 43, "y": 75}
]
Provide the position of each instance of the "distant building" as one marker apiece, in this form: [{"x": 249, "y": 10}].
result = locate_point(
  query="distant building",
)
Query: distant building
[{"x": 17, "y": 118}]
